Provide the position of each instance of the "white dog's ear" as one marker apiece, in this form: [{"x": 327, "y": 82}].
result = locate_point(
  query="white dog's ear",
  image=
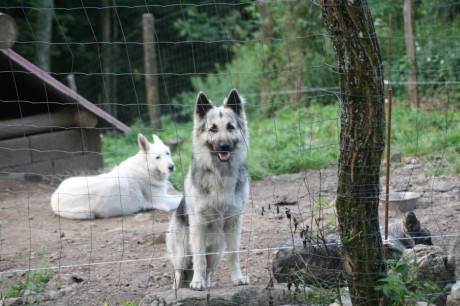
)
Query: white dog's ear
[
  {"x": 234, "y": 101},
  {"x": 156, "y": 139},
  {"x": 203, "y": 105},
  {"x": 144, "y": 144}
]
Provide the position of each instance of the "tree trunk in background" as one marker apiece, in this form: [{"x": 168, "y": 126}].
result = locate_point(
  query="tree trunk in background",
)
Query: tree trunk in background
[
  {"x": 362, "y": 141},
  {"x": 151, "y": 72},
  {"x": 106, "y": 50},
  {"x": 43, "y": 33},
  {"x": 266, "y": 26},
  {"x": 295, "y": 48},
  {"x": 411, "y": 53}
]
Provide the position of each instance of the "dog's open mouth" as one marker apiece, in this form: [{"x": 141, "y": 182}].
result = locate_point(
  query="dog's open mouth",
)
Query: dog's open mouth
[{"x": 224, "y": 156}]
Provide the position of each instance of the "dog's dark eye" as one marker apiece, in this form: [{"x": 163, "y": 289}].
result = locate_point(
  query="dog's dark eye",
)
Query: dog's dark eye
[
  {"x": 158, "y": 157},
  {"x": 213, "y": 129},
  {"x": 230, "y": 127},
  {"x": 167, "y": 153}
]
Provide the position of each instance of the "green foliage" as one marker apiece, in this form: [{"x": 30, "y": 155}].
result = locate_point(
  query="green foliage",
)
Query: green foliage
[
  {"x": 437, "y": 51},
  {"x": 291, "y": 141},
  {"x": 242, "y": 74},
  {"x": 210, "y": 23},
  {"x": 129, "y": 303},
  {"x": 400, "y": 287},
  {"x": 118, "y": 147},
  {"x": 34, "y": 282},
  {"x": 323, "y": 296},
  {"x": 432, "y": 136}
]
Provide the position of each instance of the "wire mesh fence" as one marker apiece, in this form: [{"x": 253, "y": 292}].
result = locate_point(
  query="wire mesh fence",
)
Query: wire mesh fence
[{"x": 280, "y": 58}]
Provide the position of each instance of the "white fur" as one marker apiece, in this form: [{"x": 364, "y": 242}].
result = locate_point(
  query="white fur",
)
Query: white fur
[{"x": 139, "y": 183}]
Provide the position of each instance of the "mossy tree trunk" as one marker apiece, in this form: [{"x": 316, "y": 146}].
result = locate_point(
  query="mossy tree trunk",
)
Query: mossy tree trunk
[{"x": 362, "y": 138}]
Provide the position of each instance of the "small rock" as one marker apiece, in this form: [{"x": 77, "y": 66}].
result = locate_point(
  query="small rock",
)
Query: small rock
[
  {"x": 395, "y": 158},
  {"x": 160, "y": 239},
  {"x": 444, "y": 186},
  {"x": 142, "y": 217},
  {"x": 52, "y": 295},
  {"x": 453, "y": 299},
  {"x": 285, "y": 200}
]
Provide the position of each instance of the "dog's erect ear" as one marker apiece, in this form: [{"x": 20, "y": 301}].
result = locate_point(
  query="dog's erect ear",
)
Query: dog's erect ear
[
  {"x": 203, "y": 105},
  {"x": 144, "y": 144},
  {"x": 156, "y": 139},
  {"x": 234, "y": 101}
]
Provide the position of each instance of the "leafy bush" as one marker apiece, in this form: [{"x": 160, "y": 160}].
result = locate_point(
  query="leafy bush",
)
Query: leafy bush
[
  {"x": 401, "y": 288},
  {"x": 34, "y": 282}
]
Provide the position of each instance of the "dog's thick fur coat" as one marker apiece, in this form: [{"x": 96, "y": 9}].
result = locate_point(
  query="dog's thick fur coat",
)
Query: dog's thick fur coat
[
  {"x": 208, "y": 220},
  {"x": 139, "y": 183}
]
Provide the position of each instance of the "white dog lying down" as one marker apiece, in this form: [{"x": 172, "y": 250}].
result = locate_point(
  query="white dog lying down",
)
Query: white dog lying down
[{"x": 139, "y": 183}]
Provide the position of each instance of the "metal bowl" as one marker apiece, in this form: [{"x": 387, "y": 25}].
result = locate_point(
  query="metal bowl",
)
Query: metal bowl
[{"x": 404, "y": 201}]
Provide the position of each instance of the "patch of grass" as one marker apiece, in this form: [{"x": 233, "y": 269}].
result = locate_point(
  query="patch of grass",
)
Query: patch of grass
[
  {"x": 290, "y": 141},
  {"x": 34, "y": 282},
  {"x": 430, "y": 136},
  {"x": 294, "y": 140},
  {"x": 129, "y": 303},
  {"x": 124, "y": 303}
]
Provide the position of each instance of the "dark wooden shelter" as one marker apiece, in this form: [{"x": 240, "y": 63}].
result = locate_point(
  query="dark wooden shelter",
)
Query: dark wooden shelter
[{"x": 45, "y": 127}]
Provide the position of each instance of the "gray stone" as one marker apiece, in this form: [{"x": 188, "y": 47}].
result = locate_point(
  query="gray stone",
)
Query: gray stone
[
  {"x": 395, "y": 158},
  {"x": 432, "y": 264},
  {"x": 62, "y": 280},
  {"x": 144, "y": 281},
  {"x": 444, "y": 186},
  {"x": 242, "y": 295},
  {"x": 453, "y": 299}
]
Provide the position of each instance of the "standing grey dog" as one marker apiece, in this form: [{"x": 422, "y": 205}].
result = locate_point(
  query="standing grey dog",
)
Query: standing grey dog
[{"x": 209, "y": 217}]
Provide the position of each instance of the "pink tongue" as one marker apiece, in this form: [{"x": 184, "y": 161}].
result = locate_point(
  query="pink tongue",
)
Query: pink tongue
[{"x": 224, "y": 156}]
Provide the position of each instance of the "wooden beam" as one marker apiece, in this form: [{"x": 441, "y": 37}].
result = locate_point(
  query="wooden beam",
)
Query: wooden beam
[{"x": 44, "y": 123}]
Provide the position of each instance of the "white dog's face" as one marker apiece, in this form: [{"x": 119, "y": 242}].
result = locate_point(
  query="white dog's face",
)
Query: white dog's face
[{"x": 159, "y": 157}]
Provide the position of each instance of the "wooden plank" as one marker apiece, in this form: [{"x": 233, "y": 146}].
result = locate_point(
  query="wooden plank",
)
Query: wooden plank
[
  {"x": 44, "y": 168},
  {"x": 14, "y": 152},
  {"x": 78, "y": 164},
  {"x": 43, "y": 123},
  {"x": 56, "y": 145},
  {"x": 66, "y": 93},
  {"x": 91, "y": 140}
]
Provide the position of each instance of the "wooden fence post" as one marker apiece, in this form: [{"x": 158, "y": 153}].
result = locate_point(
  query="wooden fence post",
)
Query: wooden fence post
[
  {"x": 151, "y": 75},
  {"x": 408, "y": 11}
]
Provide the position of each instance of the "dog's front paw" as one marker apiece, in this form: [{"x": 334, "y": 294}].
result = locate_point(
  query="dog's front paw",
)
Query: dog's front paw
[
  {"x": 240, "y": 281},
  {"x": 199, "y": 285}
]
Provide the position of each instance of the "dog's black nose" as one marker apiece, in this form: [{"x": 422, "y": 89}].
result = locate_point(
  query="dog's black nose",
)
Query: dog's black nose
[
  {"x": 171, "y": 167},
  {"x": 224, "y": 146}
]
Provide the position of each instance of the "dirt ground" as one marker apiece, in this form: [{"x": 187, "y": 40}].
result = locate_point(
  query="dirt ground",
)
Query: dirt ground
[{"x": 124, "y": 258}]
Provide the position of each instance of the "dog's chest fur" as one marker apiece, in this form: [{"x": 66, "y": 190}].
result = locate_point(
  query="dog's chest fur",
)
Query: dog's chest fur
[{"x": 221, "y": 189}]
